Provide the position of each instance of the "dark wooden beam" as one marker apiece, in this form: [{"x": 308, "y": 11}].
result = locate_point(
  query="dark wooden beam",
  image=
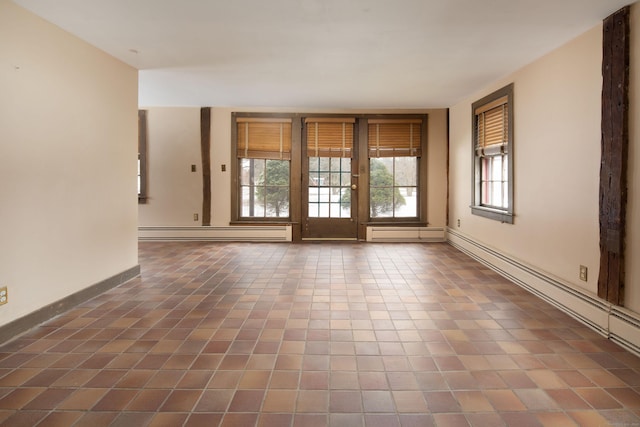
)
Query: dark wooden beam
[
  {"x": 205, "y": 148},
  {"x": 142, "y": 154},
  {"x": 613, "y": 163},
  {"x": 295, "y": 200}
]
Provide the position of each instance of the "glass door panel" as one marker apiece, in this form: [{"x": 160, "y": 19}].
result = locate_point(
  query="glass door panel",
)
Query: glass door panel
[{"x": 329, "y": 185}]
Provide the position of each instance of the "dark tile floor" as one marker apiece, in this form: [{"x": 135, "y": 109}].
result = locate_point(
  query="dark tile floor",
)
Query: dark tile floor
[{"x": 315, "y": 334}]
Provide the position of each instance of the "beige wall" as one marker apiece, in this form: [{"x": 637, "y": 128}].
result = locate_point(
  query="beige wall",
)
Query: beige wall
[
  {"x": 175, "y": 193},
  {"x": 174, "y": 143},
  {"x": 557, "y": 107},
  {"x": 68, "y": 136}
]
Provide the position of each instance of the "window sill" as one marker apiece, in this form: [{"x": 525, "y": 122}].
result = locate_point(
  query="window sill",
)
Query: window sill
[{"x": 494, "y": 214}]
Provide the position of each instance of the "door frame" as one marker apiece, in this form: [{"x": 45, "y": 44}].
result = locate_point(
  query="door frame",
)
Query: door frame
[{"x": 319, "y": 228}]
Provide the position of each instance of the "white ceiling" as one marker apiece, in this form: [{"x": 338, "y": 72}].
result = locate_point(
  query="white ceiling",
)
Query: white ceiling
[{"x": 322, "y": 53}]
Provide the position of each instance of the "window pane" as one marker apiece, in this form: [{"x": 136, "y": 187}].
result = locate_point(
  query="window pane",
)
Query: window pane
[
  {"x": 326, "y": 187},
  {"x": 244, "y": 201},
  {"x": 406, "y": 202},
  {"x": 314, "y": 164},
  {"x": 486, "y": 200},
  {"x": 406, "y": 171},
  {"x": 334, "y": 195},
  {"x": 484, "y": 169},
  {"x": 323, "y": 164},
  {"x": 381, "y": 201},
  {"x": 277, "y": 172},
  {"x": 346, "y": 164},
  {"x": 314, "y": 194},
  {"x": 387, "y": 198},
  {"x": 345, "y": 180},
  {"x": 345, "y": 200},
  {"x": 273, "y": 188},
  {"x": 496, "y": 168},
  {"x": 245, "y": 167},
  {"x": 505, "y": 194},
  {"x": 494, "y": 181},
  {"x": 258, "y": 171},
  {"x": 277, "y": 201},
  {"x": 323, "y": 210},
  {"x": 335, "y": 210},
  {"x": 335, "y": 163},
  {"x": 388, "y": 163},
  {"x": 496, "y": 194},
  {"x": 335, "y": 179},
  {"x": 251, "y": 203},
  {"x": 264, "y": 188}
]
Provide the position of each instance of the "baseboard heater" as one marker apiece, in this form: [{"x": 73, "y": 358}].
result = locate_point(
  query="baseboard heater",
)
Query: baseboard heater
[
  {"x": 217, "y": 234},
  {"x": 616, "y": 323},
  {"x": 405, "y": 234}
]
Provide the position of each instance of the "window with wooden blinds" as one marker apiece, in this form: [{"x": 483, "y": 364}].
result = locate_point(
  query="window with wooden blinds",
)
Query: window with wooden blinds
[
  {"x": 330, "y": 137},
  {"x": 492, "y": 145},
  {"x": 394, "y": 138},
  {"x": 264, "y": 138},
  {"x": 492, "y": 127}
]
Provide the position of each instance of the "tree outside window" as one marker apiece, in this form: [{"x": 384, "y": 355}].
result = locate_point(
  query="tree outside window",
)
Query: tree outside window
[
  {"x": 272, "y": 188},
  {"x": 384, "y": 197}
]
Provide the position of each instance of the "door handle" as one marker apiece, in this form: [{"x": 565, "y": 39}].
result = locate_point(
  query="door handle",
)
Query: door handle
[{"x": 354, "y": 187}]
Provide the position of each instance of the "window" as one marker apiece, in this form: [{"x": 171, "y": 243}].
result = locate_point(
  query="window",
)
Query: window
[
  {"x": 493, "y": 156},
  {"x": 264, "y": 154},
  {"x": 142, "y": 156},
  {"x": 395, "y": 149}
]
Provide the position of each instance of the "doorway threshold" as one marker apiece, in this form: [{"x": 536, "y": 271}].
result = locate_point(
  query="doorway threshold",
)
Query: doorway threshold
[{"x": 311, "y": 239}]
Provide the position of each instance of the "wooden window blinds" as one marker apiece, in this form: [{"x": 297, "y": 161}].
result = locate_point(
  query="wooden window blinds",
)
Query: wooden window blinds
[
  {"x": 394, "y": 138},
  {"x": 264, "y": 138},
  {"x": 330, "y": 137},
  {"x": 492, "y": 127}
]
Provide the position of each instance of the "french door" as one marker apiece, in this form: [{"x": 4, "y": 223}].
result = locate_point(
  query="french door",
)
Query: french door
[{"x": 329, "y": 179}]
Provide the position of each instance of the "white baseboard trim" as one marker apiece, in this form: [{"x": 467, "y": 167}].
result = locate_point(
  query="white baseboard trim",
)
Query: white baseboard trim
[
  {"x": 616, "y": 323},
  {"x": 405, "y": 234},
  {"x": 279, "y": 233}
]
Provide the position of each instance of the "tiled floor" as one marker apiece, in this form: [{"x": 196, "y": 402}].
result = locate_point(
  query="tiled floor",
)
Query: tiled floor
[{"x": 315, "y": 334}]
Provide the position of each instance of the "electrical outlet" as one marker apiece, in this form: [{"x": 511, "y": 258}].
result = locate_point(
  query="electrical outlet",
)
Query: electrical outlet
[
  {"x": 458, "y": 222},
  {"x": 195, "y": 216},
  {"x": 193, "y": 168},
  {"x": 223, "y": 168},
  {"x": 4, "y": 295},
  {"x": 583, "y": 273}
]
